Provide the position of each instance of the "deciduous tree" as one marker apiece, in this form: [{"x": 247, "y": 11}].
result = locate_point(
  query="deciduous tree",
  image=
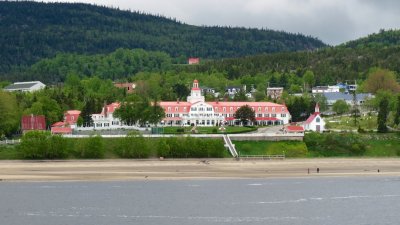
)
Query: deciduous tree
[
  {"x": 244, "y": 114},
  {"x": 340, "y": 107},
  {"x": 381, "y": 79}
]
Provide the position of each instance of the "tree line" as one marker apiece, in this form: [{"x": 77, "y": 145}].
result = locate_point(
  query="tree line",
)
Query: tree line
[{"x": 31, "y": 31}]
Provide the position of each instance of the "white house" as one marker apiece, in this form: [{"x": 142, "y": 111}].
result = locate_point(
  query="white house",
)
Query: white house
[
  {"x": 30, "y": 86},
  {"x": 326, "y": 89},
  {"x": 315, "y": 122}
]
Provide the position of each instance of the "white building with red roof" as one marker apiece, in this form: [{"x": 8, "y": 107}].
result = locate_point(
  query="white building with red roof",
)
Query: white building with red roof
[
  {"x": 315, "y": 122},
  {"x": 200, "y": 113},
  {"x": 69, "y": 123},
  {"x": 196, "y": 111},
  {"x": 105, "y": 119}
]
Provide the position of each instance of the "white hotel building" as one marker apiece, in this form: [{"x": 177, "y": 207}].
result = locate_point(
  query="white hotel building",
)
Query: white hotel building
[{"x": 196, "y": 111}]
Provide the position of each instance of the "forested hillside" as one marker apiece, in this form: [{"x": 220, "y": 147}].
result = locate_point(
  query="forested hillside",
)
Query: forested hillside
[
  {"x": 329, "y": 65},
  {"x": 30, "y": 31},
  {"x": 377, "y": 40}
]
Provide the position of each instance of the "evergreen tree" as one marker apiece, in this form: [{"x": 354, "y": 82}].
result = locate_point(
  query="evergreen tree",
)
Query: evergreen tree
[
  {"x": 382, "y": 115},
  {"x": 397, "y": 115}
]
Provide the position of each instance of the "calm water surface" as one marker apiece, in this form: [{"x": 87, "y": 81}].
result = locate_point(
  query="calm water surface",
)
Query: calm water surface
[{"x": 305, "y": 201}]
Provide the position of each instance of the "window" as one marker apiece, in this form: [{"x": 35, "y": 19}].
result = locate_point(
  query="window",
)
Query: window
[
  {"x": 224, "y": 109},
  {"x": 216, "y": 109},
  {"x": 176, "y": 115},
  {"x": 231, "y": 109},
  {"x": 283, "y": 109},
  {"x": 273, "y": 115},
  {"x": 266, "y": 109},
  {"x": 318, "y": 120},
  {"x": 273, "y": 109},
  {"x": 194, "y": 109},
  {"x": 106, "y": 124},
  {"x": 209, "y": 108},
  {"x": 259, "y": 109},
  {"x": 259, "y": 115},
  {"x": 169, "y": 109},
  {"x": 283, "y": 115},
  {"x": 266, "y": 115},
  {"x": 176, "y": 109},
  {"x": 184, "y": 109}
]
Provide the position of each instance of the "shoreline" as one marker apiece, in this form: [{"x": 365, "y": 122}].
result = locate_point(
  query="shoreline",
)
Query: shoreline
[{"x": 192, "y": 169}]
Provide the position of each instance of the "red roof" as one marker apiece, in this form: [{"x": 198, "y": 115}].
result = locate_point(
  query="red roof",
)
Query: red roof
[
  {"x": 73, "y": 112},
  {"x": 295, "y": 128},
  {"x": 61, "y": 130},
  {"x": 58, "y": 124},
  {"x": 33, "y": 122},
  {"x": 311, "y": 118},
  {"x": 109, "y": 108},
  {"x": 71, "y": 116}
]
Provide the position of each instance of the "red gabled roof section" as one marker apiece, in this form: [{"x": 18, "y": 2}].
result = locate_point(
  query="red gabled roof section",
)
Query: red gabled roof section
[
  {"x": 61, "y": 130},
  {"x": 311, "y": 118},
  {"x": 58, "y": 124},
  {"x": 293, "y": 128}
]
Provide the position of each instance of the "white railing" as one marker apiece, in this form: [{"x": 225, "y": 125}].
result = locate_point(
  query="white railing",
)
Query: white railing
[
  {"x": 231, "y": 147},
  {"x": 261, "y": 157},
  {"x": 10, "y": 142}
]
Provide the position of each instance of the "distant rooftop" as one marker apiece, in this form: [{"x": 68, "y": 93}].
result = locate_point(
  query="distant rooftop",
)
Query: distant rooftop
[{"x": 23, "y": 85}]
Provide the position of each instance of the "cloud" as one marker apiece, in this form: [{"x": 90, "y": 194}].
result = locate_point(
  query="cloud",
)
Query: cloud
[{"x": 332, "y": 21}]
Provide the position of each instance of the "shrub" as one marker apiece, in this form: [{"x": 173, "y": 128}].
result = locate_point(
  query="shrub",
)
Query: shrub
[
  {"x": 335, "y": 144},
  {"x": 90, "y": 148},
  {"x": 133, "y": 146},
  {"x": 180, "y": 130},
  {"x": 41, "y": 145}
]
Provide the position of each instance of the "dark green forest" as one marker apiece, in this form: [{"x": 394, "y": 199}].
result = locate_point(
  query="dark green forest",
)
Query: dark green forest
[
  {"x": 385, "y": 38},
  {"x": 329, "y": 65},
  {"x": 30, "y": 31}
]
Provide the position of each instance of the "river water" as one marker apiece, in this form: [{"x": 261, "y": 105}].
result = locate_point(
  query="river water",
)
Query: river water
[{"x": 305, "y": 201}]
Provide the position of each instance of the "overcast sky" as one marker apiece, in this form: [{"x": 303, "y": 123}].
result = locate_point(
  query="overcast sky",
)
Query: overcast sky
[{"x": 332, "y": 21}]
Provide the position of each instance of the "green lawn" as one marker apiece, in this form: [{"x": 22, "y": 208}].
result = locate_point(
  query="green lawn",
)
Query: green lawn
[
  {"x": 288, "y": 148},
  {"x": 208, "y": 130},
  {"x": 347, "y": 123},
  {"x": 378, "y": 148}
]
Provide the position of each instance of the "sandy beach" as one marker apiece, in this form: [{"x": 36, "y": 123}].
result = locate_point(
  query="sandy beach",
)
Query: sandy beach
[{"x": 107, "y": 170}]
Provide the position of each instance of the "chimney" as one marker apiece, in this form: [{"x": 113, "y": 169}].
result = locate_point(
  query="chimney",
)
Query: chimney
[
  {"x": 177, "y": 100},
  {"x": 105, "y": 109}
]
